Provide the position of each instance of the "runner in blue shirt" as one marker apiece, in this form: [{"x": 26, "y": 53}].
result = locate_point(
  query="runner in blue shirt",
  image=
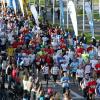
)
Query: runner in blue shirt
[
  {"x": 74, "y": 65},
  {"x": 65, "y": 82}
]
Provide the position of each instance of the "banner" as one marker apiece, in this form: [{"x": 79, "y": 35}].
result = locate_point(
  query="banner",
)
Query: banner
[
  {"x": 14, "y": 5},
  {"x": 61, "y": 13},
  {"x": 21, "y": 6},
  {"x": 9, "y": 4},
  {"x": 90, "y": 17},
  {"x": 17, "y": 4},
  {"x": 35, "y": 14},
  {"x": 72, "y": 12}
]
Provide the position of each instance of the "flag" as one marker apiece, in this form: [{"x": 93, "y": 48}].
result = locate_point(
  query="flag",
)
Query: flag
[
  {"x": 9, "y": 4},
  {"x": 72, "y": 12},
  {"x": 21, "y": 6},
  {"x": 14, "y": 5},
  {"x": 35, "y": 14},
  {"x": 61, "y": 13},
  {"x": 90, "y": 17}
]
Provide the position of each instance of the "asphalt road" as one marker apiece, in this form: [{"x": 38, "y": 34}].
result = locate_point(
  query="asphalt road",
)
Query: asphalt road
[{"x": 76, "y": 93}]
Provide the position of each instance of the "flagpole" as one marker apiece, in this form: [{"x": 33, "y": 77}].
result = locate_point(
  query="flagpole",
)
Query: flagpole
[
  {"x": 29, "y": 4},
  {"x": 39, "y": 8},
  {"x": 67, "y": 16},
  {"x": 92, "y": 16},
  {"x": 99, "y": 8},
  {"x": 83, "y": 16},
  {"x": 53, "y": 11},
  {"x": 34, "y": 2}
]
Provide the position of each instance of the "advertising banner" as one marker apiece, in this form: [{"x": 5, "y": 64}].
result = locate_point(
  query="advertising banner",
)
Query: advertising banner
[
  {"x": 14, "y": 5},
  {"x": 90, "y": 17},
  {"x": 9, "y": 4},
  {"x": 35, "y": 14},
  {"x": 21, "y": 6},
  {"x": 72, "y": 12},
  {"x": 61, "y": 13}
]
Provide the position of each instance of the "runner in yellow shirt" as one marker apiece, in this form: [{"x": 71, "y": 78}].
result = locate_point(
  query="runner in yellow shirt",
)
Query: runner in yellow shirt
[{"x": 10, "y": 51}]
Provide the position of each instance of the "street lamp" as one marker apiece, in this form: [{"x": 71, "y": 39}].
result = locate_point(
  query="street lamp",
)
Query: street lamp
[
  {"x": 83, "y": 16},
  {"x": 39, "y": 8},
  {"x": 53, "y": 11},
  {"x": 67, "y": 15},
  {"x": 91, "y": 5},
  {"x": 99, "y": 8}
]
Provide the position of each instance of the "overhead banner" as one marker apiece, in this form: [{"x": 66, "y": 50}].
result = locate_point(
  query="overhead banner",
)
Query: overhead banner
[
  {"x": 61, "y": 13},
  {"x": 9, "y": 4},
  {"x": 14, "y": 6},
  {"x": 21, "y": 6},
  {"x": 72, "y": 12},
  {"x": 35, "y": 14},
  {"x": 90, "y": 17}
]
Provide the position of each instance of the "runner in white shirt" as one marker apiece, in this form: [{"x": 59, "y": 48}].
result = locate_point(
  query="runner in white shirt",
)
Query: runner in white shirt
[
  {"x": 3, "y": 41},
  {"x": 45, "y": 69},
  {"x": 64, "y": 66},
  {"x": 66, "y": 56},
  {"x": 88, "y": 68},
  {"x": 55, "y": 72},
  {"x": 94, "y": 62},
  {"x": 79, "y": 74},
  {"x": 26, "y": 61}
]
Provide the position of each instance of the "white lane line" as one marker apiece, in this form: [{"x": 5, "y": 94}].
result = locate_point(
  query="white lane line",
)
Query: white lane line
[
  {"x": 97, "y": 97},
  {"x": 76, "y": 95}
]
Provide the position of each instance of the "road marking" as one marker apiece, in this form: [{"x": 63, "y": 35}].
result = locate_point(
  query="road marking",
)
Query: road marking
[{"x": 76, "y": 95}]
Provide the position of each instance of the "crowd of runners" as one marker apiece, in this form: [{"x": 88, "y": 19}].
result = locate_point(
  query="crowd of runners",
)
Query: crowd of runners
[{"x": 30, "y": 54}]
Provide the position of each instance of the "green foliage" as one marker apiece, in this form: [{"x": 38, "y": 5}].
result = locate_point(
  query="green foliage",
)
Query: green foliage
[
  {"x": 95, "y": 1},
  {"x": 40, "y": 19},
  {"x": 89, "y": 37},
  {"x": 42, "y": 2},
  {"x": 96, "y": 16},
  {"x": 79, "y": 11}
]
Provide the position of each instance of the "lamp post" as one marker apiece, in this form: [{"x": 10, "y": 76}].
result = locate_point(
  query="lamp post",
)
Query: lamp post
[
  {"x": 53, "y": 11},
  {"x": 67, "y": 16},
  {"x": 39, "y": 8},
  {"x": 91, "y": 4},
  {"x": 34, "y": 2},
  {"x": 99, "y": 8},
  {"x": 83, "y": 16}
]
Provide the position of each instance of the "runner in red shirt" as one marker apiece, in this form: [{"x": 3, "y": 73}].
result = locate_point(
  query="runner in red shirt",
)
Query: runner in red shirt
[
  {"x": 91, "y": 89},
  {"x": 15, "y": 44},
  {"x": 97, "y": 68},
  {"x": 89, "y": 48},
  {"x": 79, "y": 50}
]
